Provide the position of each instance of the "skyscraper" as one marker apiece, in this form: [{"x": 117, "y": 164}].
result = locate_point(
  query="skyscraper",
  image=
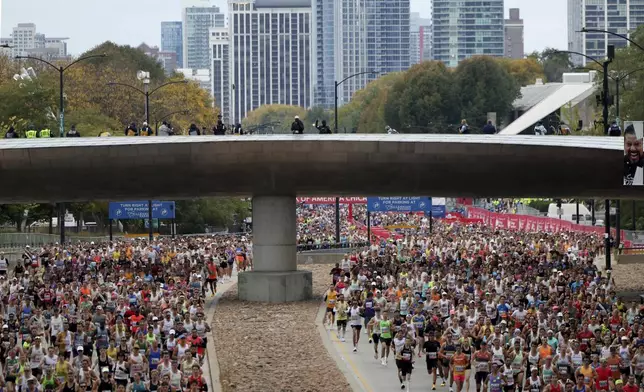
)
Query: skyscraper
[
  {"x": 619, "y": 16},
  {"x": 172, "y": 39},
  {"x": 197, "y": 22},
  {"x": 26, "y": 41},
  {"x": 514, "y": 35},
  {"x": 271, "y": 54},
  {"x": 353, "y": 36},
  {"x": 220, "y": 70},
  {"x": 420, "y": 39},
  {"x": 466, "y": 28}
]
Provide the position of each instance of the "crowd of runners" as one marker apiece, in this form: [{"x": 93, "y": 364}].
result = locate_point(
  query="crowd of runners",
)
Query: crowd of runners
[
  {"x": 125, "y": 316},
  {"x": 489, "y": 310}
]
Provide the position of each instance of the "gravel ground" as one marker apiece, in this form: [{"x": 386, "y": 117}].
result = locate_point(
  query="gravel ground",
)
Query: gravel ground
[
  {"x": 629, "y": 277},
  {"x": 266, "y": 347}
]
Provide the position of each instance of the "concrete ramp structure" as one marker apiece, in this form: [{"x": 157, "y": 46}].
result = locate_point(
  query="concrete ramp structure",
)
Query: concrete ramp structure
[{"x": 276, "y": 169}]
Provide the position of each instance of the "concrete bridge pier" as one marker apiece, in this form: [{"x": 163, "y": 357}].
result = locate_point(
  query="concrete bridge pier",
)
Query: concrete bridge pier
[{"x": 275, "y": 277}]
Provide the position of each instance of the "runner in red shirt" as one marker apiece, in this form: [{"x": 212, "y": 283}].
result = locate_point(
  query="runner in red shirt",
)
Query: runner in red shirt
[{"x": 603, "y": 374}]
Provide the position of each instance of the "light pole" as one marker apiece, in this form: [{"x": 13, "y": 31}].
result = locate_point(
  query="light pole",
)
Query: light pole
[
  {"x": 146, "y": 93},
  {"x": 337, "y": 84},
  {"x": 606, "y": 103},
  {"x": 335, "y": 126},
  {"x": 61, "y": 112}
]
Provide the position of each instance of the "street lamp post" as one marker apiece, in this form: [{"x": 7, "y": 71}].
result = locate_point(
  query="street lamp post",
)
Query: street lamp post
[
  {"x": 585, "y": 30},
  {"x": 146, "y": 93},
  {"x": 606, "y": 102},
  {"x": 335, "y": 126},
  {"x": 337, "y": 84},
  {"x": 61, "y": 113}
]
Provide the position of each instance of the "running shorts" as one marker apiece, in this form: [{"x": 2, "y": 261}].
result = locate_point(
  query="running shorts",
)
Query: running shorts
[
  {"x": 386, "y": 341},
  {"x": 404, "y": 367},
  {"x": 459, "y": 377},
  {"x": 375, "y": 337},
  {"x": 342, "y": 323},
  {"x": 432, "y": 364},
  {"x": 480, "y": 377},
  {"x": 357, "y": 326},
  {"x": 330, "y": 310}
]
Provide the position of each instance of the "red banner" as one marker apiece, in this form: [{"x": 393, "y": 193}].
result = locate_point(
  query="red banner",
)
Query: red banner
[
  {"x": 530, "y": 223},
  {"x": 331, "y": 200}
]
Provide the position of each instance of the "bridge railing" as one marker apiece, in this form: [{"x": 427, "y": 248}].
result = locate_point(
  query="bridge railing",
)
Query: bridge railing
[{"x": 21, "y": 240}]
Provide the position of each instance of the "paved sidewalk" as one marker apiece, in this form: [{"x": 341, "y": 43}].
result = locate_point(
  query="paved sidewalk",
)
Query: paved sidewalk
[{"x": 211, "y": 364}]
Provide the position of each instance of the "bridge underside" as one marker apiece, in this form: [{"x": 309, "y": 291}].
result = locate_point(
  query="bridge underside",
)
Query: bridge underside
[{"x": 351, "y": 165}]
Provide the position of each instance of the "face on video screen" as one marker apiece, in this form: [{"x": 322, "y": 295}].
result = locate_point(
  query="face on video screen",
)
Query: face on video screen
[{"x": 633, "y": 153}]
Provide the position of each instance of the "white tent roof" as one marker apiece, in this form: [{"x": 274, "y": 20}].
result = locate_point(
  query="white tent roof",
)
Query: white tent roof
[{"x": 549, "y": 99}]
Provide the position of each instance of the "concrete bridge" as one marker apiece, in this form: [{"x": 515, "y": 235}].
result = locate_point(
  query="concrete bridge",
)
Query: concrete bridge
[{"x": 274, "y": 169}]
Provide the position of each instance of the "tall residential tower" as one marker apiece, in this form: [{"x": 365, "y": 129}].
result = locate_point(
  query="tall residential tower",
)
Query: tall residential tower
[
  {"x": 619, "y": 16},
  {"x": 270, "y": 54},
  {"x": 514, "y": 47},
  {"x": 197, "y": 22},
  {"x": 353, "y": 36},
  {"x": 172, "y": 40},
  {"x": 466, "y": 28}
]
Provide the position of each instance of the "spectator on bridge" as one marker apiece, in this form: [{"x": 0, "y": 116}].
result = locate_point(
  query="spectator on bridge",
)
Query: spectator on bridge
[
  {"x": 489, "y": 128},
  {"x": 146, "y": 130},
  {"x": 164, "y": 129},
  {"x": 45, "y": 133},
  {"x": 132, "y": 130},
  {"x": 220, "y": 128},
  {"x": 464, "y": 129},
  {"x": 11, "y": 134},
  {"x": 73, "y": 132},
  {"x": 194, "y": 130},
  {"x": 390, "y": 130},
  {"x": 614, "y": 129},
  {"x": 323, "y": 128},
  {"x": 539, "y": 129},
  {"x": 297, "y": 127},
  {"x": 238, "y": 130}
]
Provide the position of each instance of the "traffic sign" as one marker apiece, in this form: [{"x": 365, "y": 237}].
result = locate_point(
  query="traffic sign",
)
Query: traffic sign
[{"x": 399, "y": 204}]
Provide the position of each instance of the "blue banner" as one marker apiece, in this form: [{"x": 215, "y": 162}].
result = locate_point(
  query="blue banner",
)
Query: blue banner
[
  {"x": 399, "y": 204},
  {"x": 438, "y": 211},
  {"x": 139, "y": 210}
]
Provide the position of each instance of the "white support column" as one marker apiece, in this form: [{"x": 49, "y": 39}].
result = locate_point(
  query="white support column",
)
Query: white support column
[
  {"x": 274, "y": 234},
  {"x": 275, "y": 277}
]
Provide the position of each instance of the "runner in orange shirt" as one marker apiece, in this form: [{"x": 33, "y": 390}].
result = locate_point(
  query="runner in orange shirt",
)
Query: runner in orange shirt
[{"x": 459, "y": 362}]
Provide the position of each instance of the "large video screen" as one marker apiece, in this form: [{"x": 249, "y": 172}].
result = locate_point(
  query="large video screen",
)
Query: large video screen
[{"x": 633, "y": 153}]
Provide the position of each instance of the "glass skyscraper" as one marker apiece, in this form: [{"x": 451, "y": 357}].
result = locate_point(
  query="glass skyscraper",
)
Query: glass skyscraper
[
  {"x": 197, "y": 22},
  {"x": 466, "y": 28},
  {"x": 354, "y": 36},
  {"x": 172, "y": 40},
  {"x": 619, "y": 16},
  {"x": 270, "y": 54}
]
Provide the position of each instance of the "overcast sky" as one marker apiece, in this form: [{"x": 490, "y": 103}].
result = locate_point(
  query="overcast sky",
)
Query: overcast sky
[{"x": 88, "y": 23}]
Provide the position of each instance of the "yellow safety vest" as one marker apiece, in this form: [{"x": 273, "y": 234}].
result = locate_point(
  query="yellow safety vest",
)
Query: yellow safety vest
[
  {"x": 45, "y": 133},
  {"x": 31, "y": 134}
]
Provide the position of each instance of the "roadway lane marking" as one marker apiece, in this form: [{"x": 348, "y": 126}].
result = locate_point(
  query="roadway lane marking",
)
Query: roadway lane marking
[{"x": 346, "y": 357}]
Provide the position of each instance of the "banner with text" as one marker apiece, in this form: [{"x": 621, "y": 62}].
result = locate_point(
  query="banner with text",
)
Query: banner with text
[
  {"x": 399, "y": 204},
  {"x": 139, "y": 210},
  {"x": 331, "y": 200}
]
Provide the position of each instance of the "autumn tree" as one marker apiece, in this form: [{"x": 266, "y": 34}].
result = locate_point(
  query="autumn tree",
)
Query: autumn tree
[
  {"x": 277, "y": 118},
  {"x": 525, "y": 71},
  {"x": 554, "y": 64}
]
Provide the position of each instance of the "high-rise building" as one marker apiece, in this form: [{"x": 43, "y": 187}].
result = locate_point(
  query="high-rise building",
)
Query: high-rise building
[
  {"x": 197, "y": 22},
  {"x": 220, "y": 71},
  {"x": 466, "y": 28},
  {"x": 514, "y": 46},
  {"x": 619, "y": 16},
  {"x": 354, "y": 36},
  {"x": 420, "y": 39},
  {"x": 26, "y": 41},
  {"x": 172, "y": 39},
  {"x": 270, "y": 54}
]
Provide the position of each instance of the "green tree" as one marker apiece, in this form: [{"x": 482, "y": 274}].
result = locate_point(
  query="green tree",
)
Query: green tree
[
  {"x": 194, "y": 216},
  {"x": 27, "y": 103},
  {"x": 554, "y": 64},
  {"x": 23, "y": 215},
  {"x": 482, "y": 86},
  {"x": 423, "y": 100},
  {"x": 280, "y": 116}
]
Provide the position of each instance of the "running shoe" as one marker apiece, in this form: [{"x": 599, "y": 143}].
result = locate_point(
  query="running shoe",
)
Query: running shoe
[{"x": 433, "y": 387}]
